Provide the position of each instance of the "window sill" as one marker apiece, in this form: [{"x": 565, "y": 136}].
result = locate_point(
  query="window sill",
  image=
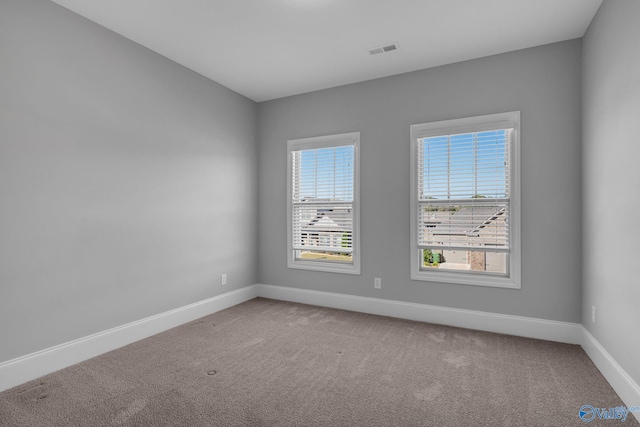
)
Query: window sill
[
  {"x": 466, "y": 279},
  {"x": 331, "y": 267}
]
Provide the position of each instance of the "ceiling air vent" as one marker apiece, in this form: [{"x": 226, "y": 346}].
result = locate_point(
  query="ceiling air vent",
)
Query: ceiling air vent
[{"x": 384, "y": 49}]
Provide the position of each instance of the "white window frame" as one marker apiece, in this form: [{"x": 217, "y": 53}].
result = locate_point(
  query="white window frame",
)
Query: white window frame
[
  {"x": 508, "y": 120},
  {"x": 352, "y": 138}
]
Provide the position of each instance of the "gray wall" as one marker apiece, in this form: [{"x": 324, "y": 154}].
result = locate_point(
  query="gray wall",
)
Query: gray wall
[
  {"x": 544, "y": 83},
  {"x": 611, "y": 133},
  {"x": 127, "y": 182}
]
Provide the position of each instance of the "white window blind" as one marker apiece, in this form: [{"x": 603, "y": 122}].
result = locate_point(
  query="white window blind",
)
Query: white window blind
[
  {"x": 322, "y": 183},
  {"x": 463, "y": 190}
]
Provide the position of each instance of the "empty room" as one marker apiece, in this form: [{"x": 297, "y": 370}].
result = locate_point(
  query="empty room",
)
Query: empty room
[{"x": 319, "y": 212}]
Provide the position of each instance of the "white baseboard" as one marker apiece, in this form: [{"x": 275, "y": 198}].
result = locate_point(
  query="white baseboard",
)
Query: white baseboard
[
  {"x": 565, "y": 332},
  {"x": 34, "y": 365},
  {"x": 22, "y": 369},
  {"x": 622, "y": 383}
]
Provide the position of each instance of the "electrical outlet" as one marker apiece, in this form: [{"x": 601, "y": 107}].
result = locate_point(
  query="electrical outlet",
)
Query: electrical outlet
[
  {"x": 223, "y": 279},
  {"x": 377, "y": 283},
  {"x": 593, "y": 314}
]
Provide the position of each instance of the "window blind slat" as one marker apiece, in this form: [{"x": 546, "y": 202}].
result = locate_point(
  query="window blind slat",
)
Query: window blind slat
[
  {"x": 322, "y": 199},
  {"x": 463, "y": 191}
]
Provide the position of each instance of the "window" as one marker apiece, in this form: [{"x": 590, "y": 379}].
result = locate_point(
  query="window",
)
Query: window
[
  {"x": 465, "y": 205},
  {"x": 323, "y": 203}
]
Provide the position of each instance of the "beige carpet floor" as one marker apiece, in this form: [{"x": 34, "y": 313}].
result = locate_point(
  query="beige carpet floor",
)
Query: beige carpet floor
[{"x": 273, "y": 363}]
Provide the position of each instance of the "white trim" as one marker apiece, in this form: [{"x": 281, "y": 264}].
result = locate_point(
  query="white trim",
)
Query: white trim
[
  {"x": 324, "y": 141},
  {"x": 491, "y": 322},
  {"x": 622, "y": 383},
  {"x": 26, "y": 368}
]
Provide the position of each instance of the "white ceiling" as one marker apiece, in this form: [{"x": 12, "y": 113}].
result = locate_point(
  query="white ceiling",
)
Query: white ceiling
[{"x": 267, "y": 49}]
